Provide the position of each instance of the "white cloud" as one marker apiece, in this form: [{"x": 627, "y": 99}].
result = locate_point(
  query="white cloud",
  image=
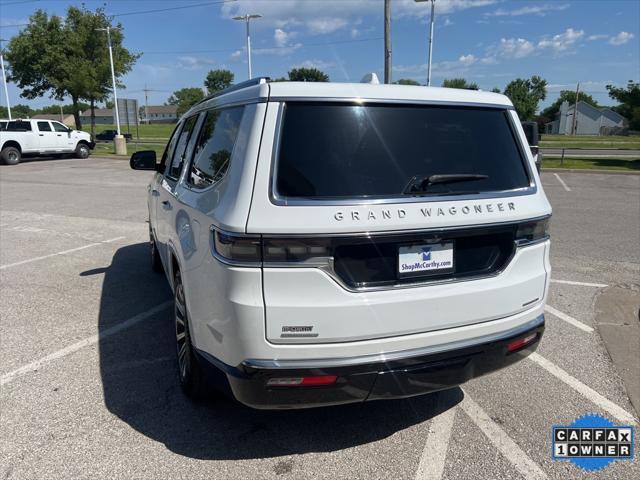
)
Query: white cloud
[
  {"x": 447, "y": 22},
  {"x": 563, "y": 41},
  {"x": 597, "y": 37},
  {"x": 237, "y": 54},
  {"x": 540, "y": 10},
  {"x": 319, "y": 64},
  {"x": 467, "y": 59},
  {"x": 515, "y": 47},
  {"x": 282, "y": 38},
  {"x": 194, "y": 63},
  {"x": 313, "y": 17},
  {"x": 621, "y": 38}
]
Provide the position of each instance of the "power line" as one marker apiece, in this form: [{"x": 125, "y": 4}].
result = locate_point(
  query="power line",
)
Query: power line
[{"x": 167, "y": 9}]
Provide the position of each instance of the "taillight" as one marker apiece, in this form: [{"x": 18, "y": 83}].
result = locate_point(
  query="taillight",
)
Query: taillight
[
  {"x": 237, "y": 248},
  {"x": 532, "y": 231},
  {"x": 296, "y": 250}
]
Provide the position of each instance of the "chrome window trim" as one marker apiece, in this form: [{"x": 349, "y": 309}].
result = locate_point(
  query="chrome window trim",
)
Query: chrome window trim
[
  {"x": 396, "y": 355},
  {"x": 275, "y": 199}
]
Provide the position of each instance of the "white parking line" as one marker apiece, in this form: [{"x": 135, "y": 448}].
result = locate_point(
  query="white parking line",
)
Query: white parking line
[
  {"x": 582, "y": 284},
  {"x": 562, "y": 182},
  {"x": 64, "y": 252},
  {"x": 604, "y": 403},
  {"x": 434, "y": 455},
  {"x": 568, "y": 319},
  {"x": 33, "y": 366},
  {"x": 511, "y": 451}
]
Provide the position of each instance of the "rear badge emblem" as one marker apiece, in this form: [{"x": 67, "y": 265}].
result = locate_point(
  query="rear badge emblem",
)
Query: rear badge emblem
[{"x": 298, "y": 331}]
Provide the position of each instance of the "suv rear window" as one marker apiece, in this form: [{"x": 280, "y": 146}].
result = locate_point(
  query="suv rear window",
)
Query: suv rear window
[{"x": 356, "y": 151}]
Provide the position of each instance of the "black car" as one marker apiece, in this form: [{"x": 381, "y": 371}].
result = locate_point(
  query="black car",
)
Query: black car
[{"x": 109, "y": 135}]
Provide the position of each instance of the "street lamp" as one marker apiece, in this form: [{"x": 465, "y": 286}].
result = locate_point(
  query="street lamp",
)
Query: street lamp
[
  {"x": 246, "y": 18},
  {"x": 433, "y": 4},
  {"x": 4, "y": 79},
  {"x": 121, "y": 146}
]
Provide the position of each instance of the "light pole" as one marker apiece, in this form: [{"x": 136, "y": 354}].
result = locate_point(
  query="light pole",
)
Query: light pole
[
  {"x": 113, "y": 75},
  {"x": 119, "y": 141},
  {"x": 433, "y": 4},
  {"x": 246, "y": 18},
  {"x": 4, "y": 79}
]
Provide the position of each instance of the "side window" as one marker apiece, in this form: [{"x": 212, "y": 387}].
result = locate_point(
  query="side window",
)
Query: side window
[
  {"x": 214, "y": 146},
  {"x": 19, "y": 126},
  {"x": 44, "y": 126},
  {"x": 170, "y": 148},
  {"x": 181, "y": 147},
  {"x": 58, "y": 127}
]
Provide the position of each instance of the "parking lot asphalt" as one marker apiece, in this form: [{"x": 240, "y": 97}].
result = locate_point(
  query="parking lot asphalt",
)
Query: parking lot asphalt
[{"x": 89, "y": 390}]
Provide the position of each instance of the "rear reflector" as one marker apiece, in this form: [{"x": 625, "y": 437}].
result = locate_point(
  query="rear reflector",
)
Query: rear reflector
[
  {"x": 521, "y": 342},
  {"x": 302, "y": 381}
]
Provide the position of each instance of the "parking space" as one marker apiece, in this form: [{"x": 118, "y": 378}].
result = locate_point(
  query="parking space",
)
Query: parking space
[{"x": 88, "y": 387}]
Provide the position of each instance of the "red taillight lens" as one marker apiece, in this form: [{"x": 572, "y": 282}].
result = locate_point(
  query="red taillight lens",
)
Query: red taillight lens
[
  {"x": 532, "y": 231},
  {"x": 237, "y": 248},
  {"x": 302, "y": 381},
  {"x": 521, "y": 342},
  {"x": 296, "y": 250}
]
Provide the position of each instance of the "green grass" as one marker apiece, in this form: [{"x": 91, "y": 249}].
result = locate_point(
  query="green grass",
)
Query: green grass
[
  {"x": 590, "y": 141},
  {"x": 161, "y": 131},
  {"x": 108, "y": 148},
  {"x": 593, "y": 163}
]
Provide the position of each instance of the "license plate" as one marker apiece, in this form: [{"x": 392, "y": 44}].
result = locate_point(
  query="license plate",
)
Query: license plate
[{"x": 425, "y": 259}]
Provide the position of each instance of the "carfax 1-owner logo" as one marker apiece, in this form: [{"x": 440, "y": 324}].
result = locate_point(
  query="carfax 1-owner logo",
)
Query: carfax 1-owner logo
[{"x": 592, "y": 442}]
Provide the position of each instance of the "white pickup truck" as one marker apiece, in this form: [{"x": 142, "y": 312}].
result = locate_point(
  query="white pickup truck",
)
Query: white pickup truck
[{"x": 20, "y": 138}]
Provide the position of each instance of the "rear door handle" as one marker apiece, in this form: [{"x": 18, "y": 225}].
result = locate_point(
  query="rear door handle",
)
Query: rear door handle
[
  {"x": 41, "y": 134},
  {"x": 155, "y": 193},
  {"x": 166, "y": 204}
]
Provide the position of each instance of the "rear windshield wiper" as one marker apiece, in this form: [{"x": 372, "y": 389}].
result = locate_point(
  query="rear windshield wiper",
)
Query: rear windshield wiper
[{"x": 421, "y": 184}]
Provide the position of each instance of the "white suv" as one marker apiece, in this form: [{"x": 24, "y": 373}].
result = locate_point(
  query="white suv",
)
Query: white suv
[{"x": 331, "y": 243}]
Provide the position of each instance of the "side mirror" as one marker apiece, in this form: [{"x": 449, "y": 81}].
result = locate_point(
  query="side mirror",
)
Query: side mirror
[{"x": 143, "y": 160}]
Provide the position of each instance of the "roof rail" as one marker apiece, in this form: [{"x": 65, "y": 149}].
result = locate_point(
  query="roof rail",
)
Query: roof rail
[{"x": 238, "y": 86}]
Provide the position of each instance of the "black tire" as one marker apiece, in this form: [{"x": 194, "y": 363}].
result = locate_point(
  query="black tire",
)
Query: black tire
[
  {"x": 82, "y": 150},
  {"x": 10, "y": 156},
  {"x": 190, "y": 374},
  {"x": 156, "y": 262}
]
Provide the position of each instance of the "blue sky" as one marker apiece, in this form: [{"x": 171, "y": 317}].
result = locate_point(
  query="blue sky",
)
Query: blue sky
[{"x": 487, "y": 41}]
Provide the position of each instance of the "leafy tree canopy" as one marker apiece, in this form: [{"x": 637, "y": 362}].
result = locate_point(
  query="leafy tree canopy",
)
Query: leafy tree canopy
[
  {"x": 525, "y": 94},
  {"x": 459, "y": 83},
  {"x": 568, "y": 96},
  {"x": 67, "y": 57},
  {"x": 218, "y": 80},
  {"x": 307, "y": 75},
  {"x": 185, "y": 98},
  {"x": 629, "y": 99},
  {"x": 406, "y": 81}
]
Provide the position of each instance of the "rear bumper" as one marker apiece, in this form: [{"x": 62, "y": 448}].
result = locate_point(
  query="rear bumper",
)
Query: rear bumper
[{"x": 399, "y": 375}]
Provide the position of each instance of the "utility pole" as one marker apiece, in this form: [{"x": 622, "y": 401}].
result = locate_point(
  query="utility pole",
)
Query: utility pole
[
  {"x": 387, "y": 41},
  {"x": 120, "y": 144},
  {"x": 574, "y": 124},
  {"x": 4, "y": 79},
  {"x": 61, "y": 114},
  {"x": 146, "y": 104},
  {"x": 431, "y": 28},
  {"x": 246, "y": 19}
]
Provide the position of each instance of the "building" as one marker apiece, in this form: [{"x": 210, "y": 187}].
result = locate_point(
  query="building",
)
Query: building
[
  {"x": 104, "y": 116},
  {"x": 66, "y": 119},
  {"x": 160, "y": 114},
  {"x": 590, "y": 121}
]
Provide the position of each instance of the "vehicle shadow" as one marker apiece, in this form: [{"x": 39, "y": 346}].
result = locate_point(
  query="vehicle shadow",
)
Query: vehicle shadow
[{"x": 141, "y": 387}]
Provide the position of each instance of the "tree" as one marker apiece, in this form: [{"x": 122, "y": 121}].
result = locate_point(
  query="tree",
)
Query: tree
[
  {"x": 525, "y": 94},
  {"x": 218, "y": 80},
  {"x": 567, "y": 96},
  {"x": 495, "y": 90},
  {"x": 307, "y": 75},
  {"x": 67, "y": 109},
  {"x": 459, "y": 83},
  {"x": 17, "y": 111},
  {"x": 185, "y": 98},
  {"x": 67, "y": 58},
  {"x": 629, "y": 99},
  {"x": 406, "y": 81}
]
